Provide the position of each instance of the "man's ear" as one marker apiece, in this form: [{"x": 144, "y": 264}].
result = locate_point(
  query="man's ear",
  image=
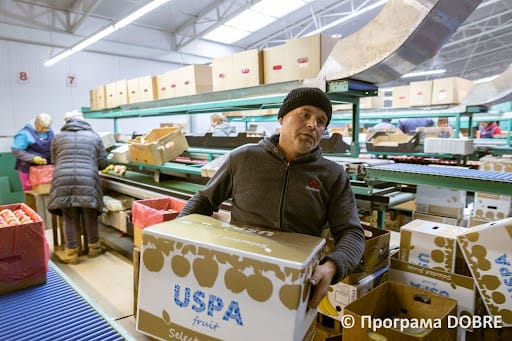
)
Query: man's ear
[{"x": 280, "y": 120}]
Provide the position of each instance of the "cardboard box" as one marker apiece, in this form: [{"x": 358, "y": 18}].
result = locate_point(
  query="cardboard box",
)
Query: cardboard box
[
  {"x": 153, "y": 211},
  {"x": 341, "y": 294},
  {"x": 449, "y": 146},
  {"x": 430, "y": 244},
  {"x": 142, "y": 89},
  {"x": 383, "y": 141},
  {"x": 117, "y": 219},
  {"x": 159, "y": 146},
  {"x": 437, "y": 218},
  {"x": 450, "y": 90},
  {"x": 401, "y": 96},
  {"x": 393, "y": 300},
  {"x": 121, "y": 154},
  {"x": 193, "y": 79},
  {"x": 222, "y": 73},
  {"x": 459, "y": 287},
  {"x": 420, "y": 93},
  {"x": 497, "y": 164},
  {"x": 491, "y": 206},
  {"x": 487, "y": 250},
  {"x": 101, "y": 102},
  {"x": 306, "y": 55},
  {"x": 440, "y": 201},
  {"x": 275, "y": 69},
  {"x": 247, "y": 69},
  {"x": 107, "y": 138},
  {"x": 116, "y": 94},
  {"x": 166, "y": 85},
  {"x": 147, "y": 88},
  {"x": 24, "y": 252},
  {"x": 40, "y": 178},
  {"x": 205, "y": 279},
  {"x": 375, "y": 256}
]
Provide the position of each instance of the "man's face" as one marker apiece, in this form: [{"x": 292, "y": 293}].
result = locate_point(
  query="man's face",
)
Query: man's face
[{"x": 301, "y": 130}]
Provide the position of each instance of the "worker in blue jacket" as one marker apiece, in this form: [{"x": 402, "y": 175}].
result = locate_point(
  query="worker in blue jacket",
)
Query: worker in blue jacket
[{"x": 31, "y": 146}]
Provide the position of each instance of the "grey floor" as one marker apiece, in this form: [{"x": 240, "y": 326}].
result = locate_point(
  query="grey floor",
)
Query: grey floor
[{"x": 106, "y": 282}]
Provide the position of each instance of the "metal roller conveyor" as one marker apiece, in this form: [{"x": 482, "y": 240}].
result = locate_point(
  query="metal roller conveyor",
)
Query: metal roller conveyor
[{"x": 450, "y": 177}]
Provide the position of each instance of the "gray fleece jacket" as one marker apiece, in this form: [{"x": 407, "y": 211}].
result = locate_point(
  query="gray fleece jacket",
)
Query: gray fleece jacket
[{"x": 302, "y": 196}]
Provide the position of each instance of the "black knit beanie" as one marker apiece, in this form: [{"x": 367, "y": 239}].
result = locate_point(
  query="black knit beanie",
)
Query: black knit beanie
[{"x": 306, "y": 96}]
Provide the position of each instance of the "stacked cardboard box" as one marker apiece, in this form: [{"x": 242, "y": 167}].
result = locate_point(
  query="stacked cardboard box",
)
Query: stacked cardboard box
[
  {"x": 440, "y": 204},
  {"x": 205, "y": 279}
]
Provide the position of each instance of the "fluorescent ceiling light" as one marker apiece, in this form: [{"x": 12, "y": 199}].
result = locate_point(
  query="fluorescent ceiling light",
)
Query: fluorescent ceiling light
[
  {"x": 106, "y": 31},
  {"x": 486, "y": 79},
  {"x": 253, "y": 19},
  {"x": 423, "y": 73}
]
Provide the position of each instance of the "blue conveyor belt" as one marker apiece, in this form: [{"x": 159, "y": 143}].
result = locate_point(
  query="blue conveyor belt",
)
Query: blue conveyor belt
[
  {"x": 448, "y": 171},
  {"x": 444, "y": 176},
  {"x": 52, "y": 311}
]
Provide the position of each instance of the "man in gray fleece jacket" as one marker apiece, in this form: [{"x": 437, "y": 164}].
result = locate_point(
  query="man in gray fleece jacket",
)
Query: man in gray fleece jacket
[{"x": 285, "y": 183}]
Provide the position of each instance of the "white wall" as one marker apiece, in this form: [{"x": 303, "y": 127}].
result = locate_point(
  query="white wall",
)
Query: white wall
[{"x": 46, "y": 89}]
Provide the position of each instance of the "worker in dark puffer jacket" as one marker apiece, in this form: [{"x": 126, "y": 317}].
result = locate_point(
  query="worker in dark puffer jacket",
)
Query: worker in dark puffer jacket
[{"x": 78, "y": 154}]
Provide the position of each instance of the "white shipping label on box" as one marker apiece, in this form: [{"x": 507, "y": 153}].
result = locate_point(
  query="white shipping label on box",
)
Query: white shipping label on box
[
  {"x": 488, "y": 251},
  {"x": 204, "y": 279},
  {"x": 458, "y": 287},
  {"x": 430, "y": 244}
]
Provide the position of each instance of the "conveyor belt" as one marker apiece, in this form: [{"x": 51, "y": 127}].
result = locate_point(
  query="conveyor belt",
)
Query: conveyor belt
[
  {"x": 52, "y": 311},
  {"x": 451, "y": 177}
]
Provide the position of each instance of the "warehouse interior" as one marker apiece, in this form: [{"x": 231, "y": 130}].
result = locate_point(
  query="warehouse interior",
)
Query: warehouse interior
[{"x": 438, "y": 193}]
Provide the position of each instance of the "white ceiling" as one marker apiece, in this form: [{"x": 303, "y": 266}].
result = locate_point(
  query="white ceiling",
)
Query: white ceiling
[{"x": 481, "y": 47}]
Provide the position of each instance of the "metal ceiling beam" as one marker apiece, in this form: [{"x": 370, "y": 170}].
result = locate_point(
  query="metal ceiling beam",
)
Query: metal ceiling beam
[
  {"x": 222, "y": 14},
  {"x": 86, "y": 14}
]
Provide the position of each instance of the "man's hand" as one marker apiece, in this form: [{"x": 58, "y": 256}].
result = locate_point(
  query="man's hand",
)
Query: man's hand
[
  {"x": 39, "y": 160},
  {"x": 320, "y": 281}
]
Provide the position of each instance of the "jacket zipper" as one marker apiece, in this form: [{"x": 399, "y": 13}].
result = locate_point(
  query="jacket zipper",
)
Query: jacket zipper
[{"x": 283, "y": 195}]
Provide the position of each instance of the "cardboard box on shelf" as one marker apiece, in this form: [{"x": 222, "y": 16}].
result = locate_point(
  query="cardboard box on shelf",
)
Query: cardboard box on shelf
[
  {"x": 98, "y": 98},
  {"x": 247, "y": 69},
  {"x": 142, "y": 89},
  {"x": 23, "y": 250},
  {"x": 383, "y": 141},
  {"x": 401, "y": 96},
  {"x": 306, "y": 55},
  {"x": 222, "y": 73},
  {"x": 401, "y": 303},
  {"x": 450, "y": 90},
  {"x": 432, "y": 245},
  {"x": 116, "y": 93},
  {"x": 205, "y": 279},
  {"x": 449, "y": 146},
  {"x": 487, "y": 251},
  {"x": 158, "y": 146},
  {"x": 166, "y": 85},
  {"x": 121, "y": 154},
  {"x": 275, "y": 69},
  {"x": 153, "y": 211},
  {"x": 420, "y": 93},
  {"x": 193, "y": 79}
]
